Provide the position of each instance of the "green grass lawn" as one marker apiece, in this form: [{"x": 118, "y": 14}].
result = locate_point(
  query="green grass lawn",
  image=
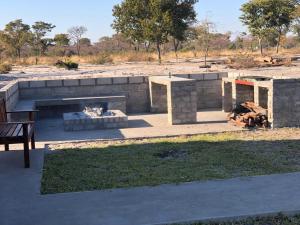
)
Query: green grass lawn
[
  {"x": 167, "y": 161},
  {"x": 271, "y": 220}
]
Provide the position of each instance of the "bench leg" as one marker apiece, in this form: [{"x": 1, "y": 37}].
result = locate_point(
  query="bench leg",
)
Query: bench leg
[
  {"x": 32, "y": 141},
  {"x": 26, "y": 154},
  {"x": 6, "y": 146}
]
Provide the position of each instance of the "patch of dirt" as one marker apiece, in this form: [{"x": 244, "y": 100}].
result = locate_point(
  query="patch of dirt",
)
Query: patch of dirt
[
  {"x": 171, "y": 154},
  {"x": 256, "y": 134}
]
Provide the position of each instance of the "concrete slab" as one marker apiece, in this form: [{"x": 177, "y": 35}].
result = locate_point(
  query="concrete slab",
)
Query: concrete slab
[
  {"x": 145, "y": 125},
  {"x": 21, "y": 203},
  {"x": 139, "y": 126},
  {"x": 166, "y": 80}
]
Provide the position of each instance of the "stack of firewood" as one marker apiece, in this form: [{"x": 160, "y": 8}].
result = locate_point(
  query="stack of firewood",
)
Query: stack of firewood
[{"x": 249, "y": 115}]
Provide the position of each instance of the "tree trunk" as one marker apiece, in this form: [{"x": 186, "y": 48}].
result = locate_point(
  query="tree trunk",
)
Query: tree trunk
[
  {"x": 19, "y": 53},
  {"x": 78, "y": 48},
  {"x": 176, "y": 44},
  {"x": 147, "y": 46},
  {"x": 158, "y": 51},
  {"x": 260, "y": 46},
  {"x": 278, "y": 43},
  {"x": 206, "y": 55}
]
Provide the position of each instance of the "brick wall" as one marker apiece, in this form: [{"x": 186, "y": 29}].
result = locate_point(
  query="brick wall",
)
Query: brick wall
[
  {"x": 135, "y": 89},
  {"x": 209, "y": 89},
  {"x": 10, "y": 93},
  {"x": 286, "y": 103}
]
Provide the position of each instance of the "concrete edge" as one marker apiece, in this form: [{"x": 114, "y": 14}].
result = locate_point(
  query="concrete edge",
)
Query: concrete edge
[
  {"x": 230, "y": 218},
  {"x": 139, "y": 138}
]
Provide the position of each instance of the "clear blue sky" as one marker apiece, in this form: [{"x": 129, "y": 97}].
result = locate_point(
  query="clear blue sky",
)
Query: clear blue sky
[{"x": 96, "y": 15}]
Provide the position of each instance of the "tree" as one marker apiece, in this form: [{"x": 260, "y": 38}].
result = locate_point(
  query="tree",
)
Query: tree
[
  {"x": 280, "y": 15},
  {"x": 204, "y": 37},
  {"x": 296, "y": 25},
  {"x": 61, "y": 40},
  {"x": 75, "y": 34},
  {"x": 45, "y": 44},
  {"x": 253, "y": 17},
  {"x": 266, "y": 16},
  {"x": 157, "y": 25},
  {"x": 128, "y": 19},
  {"x": 15, "y": 35},
  {"x": 116, "y": 43},
  {"x": 40, "y": 43},
  {"x": 85, "y": 41},
  {"x": 153, "y": 21},
  {"x": 40, "y": 30},
  {"x": 183, "y": 16},
  {"x": 2, "y": 49}
]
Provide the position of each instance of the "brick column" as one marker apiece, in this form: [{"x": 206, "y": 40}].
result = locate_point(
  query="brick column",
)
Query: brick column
[
  {"x": 227, "y": 96},
  {"x": 182, "y": 102}
]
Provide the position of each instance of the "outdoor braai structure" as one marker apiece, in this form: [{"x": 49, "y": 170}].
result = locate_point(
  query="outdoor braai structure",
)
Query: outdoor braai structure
[
  {"x": 94, "y": 119},
  {"x": 175, "y": 95},
  {"x": 279, "y": 96}
]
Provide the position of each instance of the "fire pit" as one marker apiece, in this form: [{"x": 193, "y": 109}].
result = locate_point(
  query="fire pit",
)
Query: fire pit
[{"x": 94, "y": 119}]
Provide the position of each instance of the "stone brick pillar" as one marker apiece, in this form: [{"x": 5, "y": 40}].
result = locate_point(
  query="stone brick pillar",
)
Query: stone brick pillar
[
  {"x": 256, "y": 94},
  {"x": 227, "y": 96},
  {"x": 182, "y": 102},
  {"x": 181, "y": 98},
  {"x": 158, "y": 97}
]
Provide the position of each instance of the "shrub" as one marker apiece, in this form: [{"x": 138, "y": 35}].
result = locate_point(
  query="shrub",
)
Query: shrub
[
  {"x": 69, "y": 65},
  {"x": 139, "y": 57},
  {"x": 102, "y": 59},
  {"x": 242, "y": 62},
  {"x": 5, "y": 68}
]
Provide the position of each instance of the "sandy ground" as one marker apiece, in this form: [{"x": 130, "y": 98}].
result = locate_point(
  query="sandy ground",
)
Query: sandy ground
[{"x": 183, "y": 66}]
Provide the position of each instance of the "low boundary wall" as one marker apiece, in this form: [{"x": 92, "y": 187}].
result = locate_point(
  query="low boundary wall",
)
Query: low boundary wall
[
  {"x": 135, "y": 88},
  {"x": 10, "y": 93}
]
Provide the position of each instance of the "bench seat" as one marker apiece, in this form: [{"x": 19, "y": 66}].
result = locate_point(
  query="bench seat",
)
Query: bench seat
[
  {"x": 55, "y": 107},
  {"x": 17, "y": 132},
  {"x": 82, "y": 100},
  {"x": 13, "y": 133}
]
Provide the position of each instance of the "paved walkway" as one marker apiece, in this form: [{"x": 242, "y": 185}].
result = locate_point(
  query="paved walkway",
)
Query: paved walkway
[{"x": 21, "y": 203}]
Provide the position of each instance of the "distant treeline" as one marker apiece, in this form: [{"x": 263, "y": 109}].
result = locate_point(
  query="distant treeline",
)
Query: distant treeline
[{"x": 160, "y": 26}]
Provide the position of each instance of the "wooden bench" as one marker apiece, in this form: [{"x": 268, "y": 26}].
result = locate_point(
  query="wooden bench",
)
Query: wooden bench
[{"x": 17, "y": 132}]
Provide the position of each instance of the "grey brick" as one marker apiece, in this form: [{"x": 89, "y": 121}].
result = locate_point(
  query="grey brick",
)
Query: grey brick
[
  {"x": 136, "y": 80},
  {"x": 23, "y": 84},
  {"x": 88, "y": 82},
  {"x": 104, "y": 81},
  {"x": 182, "y": 75},
  {"x": 211, "y": 76},
  {"x": 71, "y": 82},
  {"x": 120, "y": 80},
  {"x": 197, "y": 76},
  {"x": 37, "y": 83},
  {"x": 54, "y": 83}
]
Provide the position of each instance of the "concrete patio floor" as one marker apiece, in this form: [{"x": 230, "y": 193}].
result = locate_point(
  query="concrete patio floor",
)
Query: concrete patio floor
[
  {"x": 22, "y": 204},
  {"x": 143, "y": 125}
]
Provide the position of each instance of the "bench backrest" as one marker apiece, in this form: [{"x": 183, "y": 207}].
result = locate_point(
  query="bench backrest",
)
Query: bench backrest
[{"x": 3, "y": 117}]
